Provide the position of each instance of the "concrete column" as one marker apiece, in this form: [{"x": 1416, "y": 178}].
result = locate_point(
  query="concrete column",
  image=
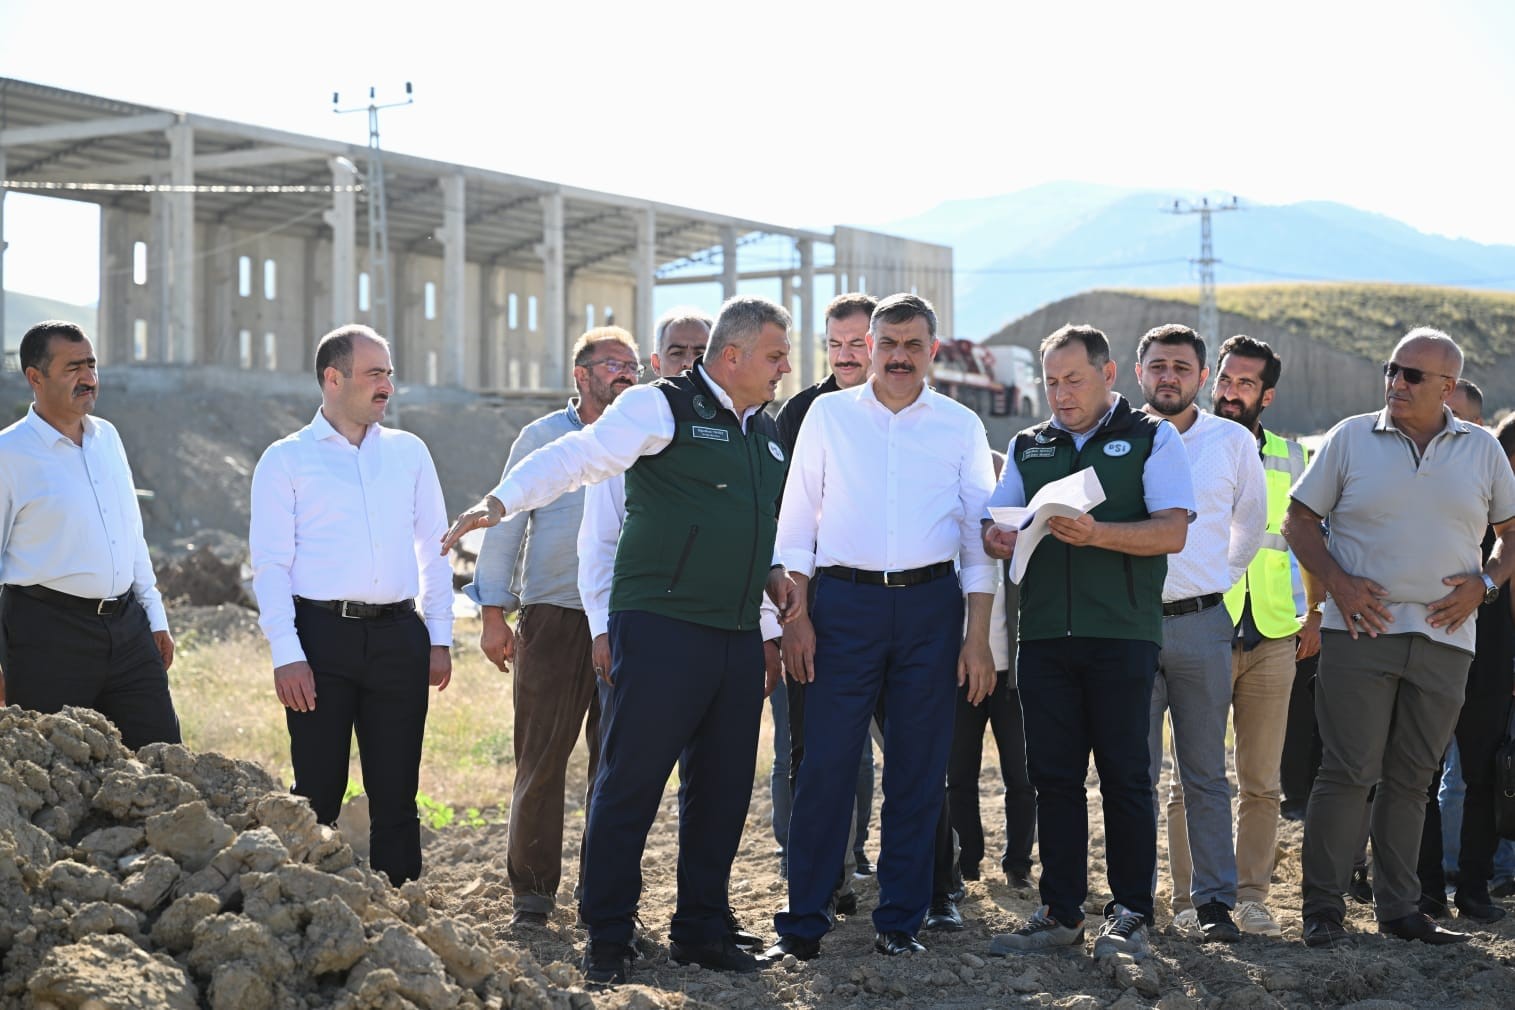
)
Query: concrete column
[
  {"x": 160, "y": 324},
  {"x": 728, "y": 262},
  {"x": 554, "y": 294},
  {"x": 220, "y": 284},
  {"x": 454, "y": 307},
  {"x": 805, "y": 323},
  {"x": 647, "y": 262},
  {"x": 182, "y": 335},
  {"x": 343, "y": 218}
]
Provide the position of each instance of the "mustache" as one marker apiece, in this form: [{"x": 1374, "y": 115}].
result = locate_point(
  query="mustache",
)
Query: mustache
[{"x": 899, "y": 366}]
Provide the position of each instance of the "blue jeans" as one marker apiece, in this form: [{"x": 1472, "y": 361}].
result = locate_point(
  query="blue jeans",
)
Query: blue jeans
[{"x": 1450, "y": 797}]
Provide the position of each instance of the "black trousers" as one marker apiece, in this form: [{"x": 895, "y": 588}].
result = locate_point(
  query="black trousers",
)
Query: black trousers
[
  {"x": 1302, "y": 751},
  {"x": 56, "y": 655},
  {"x": 372, "y": 678},
  {"x": 687, "y": 696},
  {"x": 1001, "y": 711},
  {"x": 1479, "y": 729}
]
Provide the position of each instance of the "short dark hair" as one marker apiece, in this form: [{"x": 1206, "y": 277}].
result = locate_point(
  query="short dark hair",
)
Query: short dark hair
[
  {"x": 35, "y": 353},
  {"x": 1172, "y": 335},
  {"x": 1244, "y": 346},
  {"x": 1505, "y": 432},
  {"x": 1096, "y": 344},
  {"x": 848, "y": 305},
  {"x": 681, "y": 316},
  {"x": 1472, "y": 392},
  {"x": 902, "y": 308},
  {"x": 335, "y": 349}
]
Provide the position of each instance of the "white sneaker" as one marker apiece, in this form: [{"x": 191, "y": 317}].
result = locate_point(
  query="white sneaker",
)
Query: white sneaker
[
  {"x": 1253, "y": 917},
  {"x": 1186, "y": 921},
  {"x": 1039, "y": 933},
  {"x": 1124, "y": 932}
]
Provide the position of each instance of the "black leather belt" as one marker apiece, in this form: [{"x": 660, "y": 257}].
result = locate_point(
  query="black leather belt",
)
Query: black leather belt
[
  {"x": 105, "y": 608},
  {"x": 895, "y": 579},
  {"x": 362, "y": 611},
  {"x": 1192, "y": 605}
]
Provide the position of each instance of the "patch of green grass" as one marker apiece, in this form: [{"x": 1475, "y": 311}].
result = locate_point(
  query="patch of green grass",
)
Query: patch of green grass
[{"x": 1369, "y": 319}]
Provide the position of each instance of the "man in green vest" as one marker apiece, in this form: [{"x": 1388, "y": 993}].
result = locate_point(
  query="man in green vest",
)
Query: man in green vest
[
  {"x": 1091, "y": 615},
  {"x": 1265, "y": 614},
  {"x": 704, "y": 469}
]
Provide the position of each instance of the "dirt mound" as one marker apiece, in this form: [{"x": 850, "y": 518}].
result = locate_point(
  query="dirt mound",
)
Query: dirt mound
[
  {"x": 182, "y": 880},
  {"x": 206, "y": 570}
]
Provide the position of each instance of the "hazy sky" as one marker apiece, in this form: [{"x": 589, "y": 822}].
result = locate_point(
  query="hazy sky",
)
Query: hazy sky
[{"x": 821, "y": 113}]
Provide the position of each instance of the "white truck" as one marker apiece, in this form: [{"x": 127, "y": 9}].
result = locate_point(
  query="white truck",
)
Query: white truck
[{"x": 996, "y": 380}]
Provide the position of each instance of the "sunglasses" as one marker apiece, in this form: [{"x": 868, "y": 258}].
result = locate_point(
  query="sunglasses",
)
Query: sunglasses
[{"x": 1414, "y": 376}]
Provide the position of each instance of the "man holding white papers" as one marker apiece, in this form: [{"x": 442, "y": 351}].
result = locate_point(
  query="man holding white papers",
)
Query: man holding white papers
[
  {"x": 1194, "y": 668},
  {"x": 1090, "y": 630}
]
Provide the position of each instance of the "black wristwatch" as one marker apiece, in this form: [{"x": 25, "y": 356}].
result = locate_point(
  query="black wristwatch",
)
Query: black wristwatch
[{"x": 1490, "y": 590}]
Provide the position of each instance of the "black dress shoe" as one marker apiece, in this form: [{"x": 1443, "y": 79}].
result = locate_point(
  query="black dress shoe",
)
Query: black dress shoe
[
  {"x": 1419, "y": 926},
  {"x": 801, "y": 948},
  {"x": 607, "y": 963},
  {"x": 944, "y": 915},
  {"x": 718, "y": 955},
  {"x": 1360, "y": 890},
  {"x": 968, "y": 871},
  {"x": 1324, "y": 931},
  {"x": 897, "y": 942},
  {"x": 739, "y": 935},
  {"x": 1436, "y": 908},
  {"x": 1018, "y": 881},
  {"x": 863, "y": 868},
  {"x": 1479, "y": 908},
  {"x": 846, "y": 904}
]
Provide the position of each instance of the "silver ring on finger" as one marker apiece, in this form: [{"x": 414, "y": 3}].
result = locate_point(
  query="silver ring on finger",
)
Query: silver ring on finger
[{"x": 1356, "y": 617}]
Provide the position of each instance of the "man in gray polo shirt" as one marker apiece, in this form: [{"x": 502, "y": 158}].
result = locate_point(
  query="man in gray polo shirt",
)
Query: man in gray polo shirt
[
  {"x": 1409, "y": 492},
  {"x": 554, "y": 678}
]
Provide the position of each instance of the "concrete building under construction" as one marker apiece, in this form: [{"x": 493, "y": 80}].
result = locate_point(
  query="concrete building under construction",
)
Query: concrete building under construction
[{"x": 234, "y": 244}]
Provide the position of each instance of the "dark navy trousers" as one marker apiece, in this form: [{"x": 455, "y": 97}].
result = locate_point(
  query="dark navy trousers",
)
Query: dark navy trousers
[
  {"x": 1080, "y": 695},
  {"x": 682, "y": 691},
  {"x": 870, "y": 641}
]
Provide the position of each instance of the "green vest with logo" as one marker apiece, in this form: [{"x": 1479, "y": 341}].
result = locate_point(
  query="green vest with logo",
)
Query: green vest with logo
[
  {"x": 1269, "y": 578},
  {"x": 1090, "y": 592},
  {"x": 701, "y": 515}
]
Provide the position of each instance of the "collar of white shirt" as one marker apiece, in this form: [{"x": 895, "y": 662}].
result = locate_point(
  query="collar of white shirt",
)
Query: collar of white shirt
[
  {"x": 725, "y": 398},
  {"x": 50, "y": 435},
  {"x": 321, "y": 429},
  {"x": 924, "y": 400}
]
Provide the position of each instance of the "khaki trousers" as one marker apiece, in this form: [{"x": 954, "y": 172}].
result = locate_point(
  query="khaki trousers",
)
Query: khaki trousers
[
  {"x": 554, "y": 692},
  {"x": 1261, "y": 681}
]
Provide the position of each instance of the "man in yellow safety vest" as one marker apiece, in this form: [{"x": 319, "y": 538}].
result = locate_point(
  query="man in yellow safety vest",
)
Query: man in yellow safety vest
[{"x": 1263, "y": 608}]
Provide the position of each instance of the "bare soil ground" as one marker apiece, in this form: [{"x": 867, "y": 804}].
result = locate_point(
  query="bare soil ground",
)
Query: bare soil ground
[{"x": 466, "y": 878}]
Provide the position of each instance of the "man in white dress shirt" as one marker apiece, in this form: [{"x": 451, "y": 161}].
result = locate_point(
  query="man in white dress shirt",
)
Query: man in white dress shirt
[
  {"x": 885, "y": 493},
  {"x": 345, "y": 517},
  {"x": 1194, "y": 667},
  {"x": 704, "y": 470},
  {"x": 82, "y": 620}
]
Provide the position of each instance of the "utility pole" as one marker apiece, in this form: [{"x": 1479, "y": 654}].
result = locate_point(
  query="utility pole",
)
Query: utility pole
[
  {"x": 381, "y": 280},
  {"x": 1209, "y": 315}
]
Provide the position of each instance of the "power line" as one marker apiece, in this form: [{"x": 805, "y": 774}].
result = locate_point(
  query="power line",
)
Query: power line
[{"x": 1209, "y": 316}]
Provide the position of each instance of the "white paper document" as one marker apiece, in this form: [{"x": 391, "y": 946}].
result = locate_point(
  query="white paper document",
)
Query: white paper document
[{"x": 1070, "y": 498}]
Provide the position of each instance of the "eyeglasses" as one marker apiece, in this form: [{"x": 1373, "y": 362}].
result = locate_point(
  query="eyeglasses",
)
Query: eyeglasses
[
  {"x": 1414, "y": 376},
  {"x": 615, "y": 367}
]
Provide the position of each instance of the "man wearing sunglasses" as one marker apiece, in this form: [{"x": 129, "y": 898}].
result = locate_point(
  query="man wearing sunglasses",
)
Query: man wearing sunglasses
[
  {"x": 554, "y": 689},
  {"x": 1409, "y": 492}
]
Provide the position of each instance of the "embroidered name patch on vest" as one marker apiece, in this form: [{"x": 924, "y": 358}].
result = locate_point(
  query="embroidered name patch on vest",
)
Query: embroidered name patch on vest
[
  {"x": 713, "y": 434},
  {"x": 1038, "y": 452}
]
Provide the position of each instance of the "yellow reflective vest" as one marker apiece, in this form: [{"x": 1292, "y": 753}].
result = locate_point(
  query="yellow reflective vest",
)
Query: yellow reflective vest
[{"x": 1268, "y": 577}]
